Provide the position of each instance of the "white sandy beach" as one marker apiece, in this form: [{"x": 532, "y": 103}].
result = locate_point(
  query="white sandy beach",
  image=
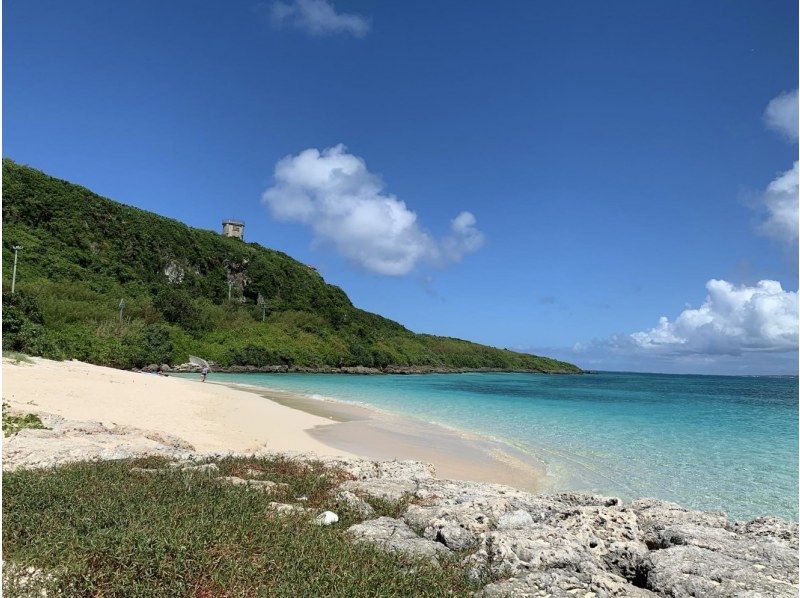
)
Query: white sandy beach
[
  {"x": 217, "y": 417},
  {"x": 211, "y": 417}
]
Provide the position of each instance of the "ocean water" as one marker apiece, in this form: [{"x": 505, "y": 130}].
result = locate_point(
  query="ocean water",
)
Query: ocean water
[{"x": 708, "y": 442}]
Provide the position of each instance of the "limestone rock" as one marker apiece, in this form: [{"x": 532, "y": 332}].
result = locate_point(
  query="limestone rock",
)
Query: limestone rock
[
  {"x": 514, "y": 552},
  {"x": 470, "y": 517},
  {"x": 767, "y": 527},
  {"x": 577, "y": 499},
  {"x": 209, "y": 469},
  {"x": 767, "y": 554},
  {"x": 383, "y": 488},
  {"x": 518, "y": 519},
  {"x": 652, "y": 514},
  {"x": 395, "y": 536},
  {"x": 455, "y": 537},
  {"x": 610, "y": 534},
  {"x": 262, "y": 485},
  {"x": 561, "y": 583},
  {"x": 26, "y": 581},
  {"x": 70, "y": 441},
  {"x": 365, "y": 469},
  {"x": 234, "y": 480},
  {"x": 473, "y": 506},
  {"x": 694, "y": 571},
  {"x": 326, "y": 518},
  {"x": 358, "y": 505},
  {"x": 285, "y": 509}
]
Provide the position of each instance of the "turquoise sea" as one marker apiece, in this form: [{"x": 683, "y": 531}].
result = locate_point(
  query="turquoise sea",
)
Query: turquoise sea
[{"x": 708, "y": 442}]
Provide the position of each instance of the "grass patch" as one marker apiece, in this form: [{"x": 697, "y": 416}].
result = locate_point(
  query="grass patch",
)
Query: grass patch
[
  {"x": 16, "y": 357},
  {"x": 96, "y": 529},
  {"x": 14, "y": 423},
  {"x": 389, "y": 508}
]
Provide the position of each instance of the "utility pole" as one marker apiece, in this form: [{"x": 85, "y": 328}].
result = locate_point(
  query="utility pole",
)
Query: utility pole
[
  {"x": 263, "y": 305},
  {"x": 14, "y": 272},
  {"x": 121, "y": 307},
  {"x": 230, "y": 286}
]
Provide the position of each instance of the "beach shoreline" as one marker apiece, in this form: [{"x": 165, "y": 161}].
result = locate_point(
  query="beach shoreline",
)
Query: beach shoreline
[
  {"x": 240, "y": 418},
  {"x": 371, "y": 432}
]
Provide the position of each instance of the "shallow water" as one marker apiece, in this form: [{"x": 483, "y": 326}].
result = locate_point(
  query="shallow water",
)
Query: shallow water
[{"x": 708, "y": 442}]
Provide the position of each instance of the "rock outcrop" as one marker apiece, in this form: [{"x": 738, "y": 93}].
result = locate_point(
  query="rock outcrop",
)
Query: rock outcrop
[
  {"x": 514, "y": 542},
  {"x": 356, "y": 504},
  {"x": 260, "y": 485},
  {"x": 575, "y": 544},
  {"x": 68, "y": 441},
  {"x": 395, "y": 536}
]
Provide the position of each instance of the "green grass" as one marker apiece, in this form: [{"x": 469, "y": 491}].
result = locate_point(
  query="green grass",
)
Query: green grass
[
  {"x": 14, "y": 423},
  {"x": 16, "y": 357},
  {"x": 98, "y": 530}
]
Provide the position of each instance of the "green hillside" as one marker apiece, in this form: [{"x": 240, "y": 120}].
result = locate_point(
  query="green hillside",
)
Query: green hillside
[{"x": 83, "y": 253}]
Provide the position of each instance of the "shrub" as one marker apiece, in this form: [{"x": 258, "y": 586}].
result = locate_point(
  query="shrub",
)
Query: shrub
[
  {"x": 151, "y": 345},
  {"x": 176, "y": 306},
  {"x": 18, "y": 309},
  {"x": 257, "y": 355}
]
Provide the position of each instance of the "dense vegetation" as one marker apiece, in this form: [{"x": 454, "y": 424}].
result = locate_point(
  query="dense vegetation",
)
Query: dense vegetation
[
  {"x": 96, "y": 529},
  {"x": 82, "y": 253}
]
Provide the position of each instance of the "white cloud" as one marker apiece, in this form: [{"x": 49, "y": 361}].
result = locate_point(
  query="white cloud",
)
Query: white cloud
[
  {"x": 731, "y": 320},
  {"x": 781, "y": 196},
  {"x": 318, "y": 17},
  {"x": 346, "y": 206},
  {"x": 464, "y": 237},
  {"x": 781, "y": 114},
  {"x": 781, "y": 201},
  {"x": 737, "y": 330}
]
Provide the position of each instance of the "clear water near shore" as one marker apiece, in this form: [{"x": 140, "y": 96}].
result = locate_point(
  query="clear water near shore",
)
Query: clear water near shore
[{"x": 708, "y": 442}]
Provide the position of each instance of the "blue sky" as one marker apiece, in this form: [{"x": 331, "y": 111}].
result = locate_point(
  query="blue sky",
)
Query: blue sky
[{"x": 612, "y": 158}]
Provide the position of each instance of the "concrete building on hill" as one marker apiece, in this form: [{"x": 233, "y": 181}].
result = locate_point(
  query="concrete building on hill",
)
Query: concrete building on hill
[{"x": 233, "y": 228}]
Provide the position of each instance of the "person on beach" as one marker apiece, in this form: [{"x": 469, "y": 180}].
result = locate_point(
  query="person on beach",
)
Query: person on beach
[{"x": 203, "y": 373}]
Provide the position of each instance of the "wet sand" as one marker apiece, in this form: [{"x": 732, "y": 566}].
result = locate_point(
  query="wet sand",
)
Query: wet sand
[{"x": 368, "y": 432}]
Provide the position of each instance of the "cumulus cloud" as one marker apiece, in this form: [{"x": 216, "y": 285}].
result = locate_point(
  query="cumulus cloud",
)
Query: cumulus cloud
[
  {"x": 733, "y": 319},
  {"x": 780, "y": 199},
  {"x": 781, "y": 114},
  {"x": 334, "y": 193},
  {"x": 781, "y": 202},
  {"x": 317, "y": 17},
  {"x": 737, "y": 329}
]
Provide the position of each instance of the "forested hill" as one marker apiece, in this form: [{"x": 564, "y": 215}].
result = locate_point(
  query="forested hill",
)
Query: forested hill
[{"x": 83, "y": 253}]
